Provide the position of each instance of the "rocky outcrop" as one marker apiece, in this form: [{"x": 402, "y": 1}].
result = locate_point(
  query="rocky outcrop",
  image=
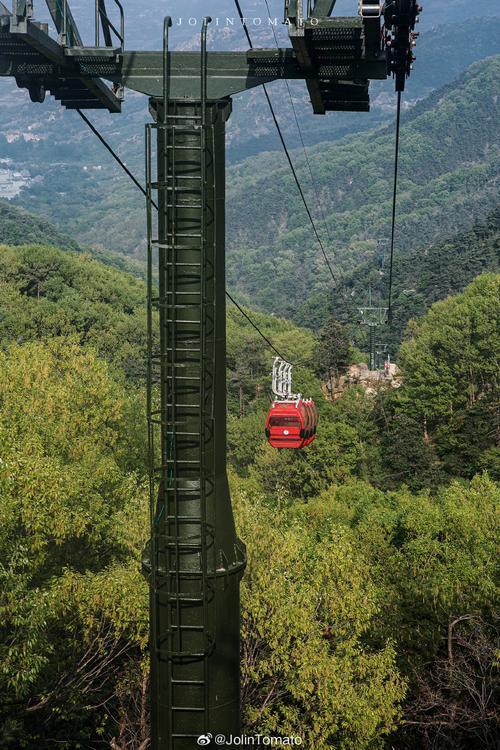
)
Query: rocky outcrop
[{"x": 371, "y": 380}]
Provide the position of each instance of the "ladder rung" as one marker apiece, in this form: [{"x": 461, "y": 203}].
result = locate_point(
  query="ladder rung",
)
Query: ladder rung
[
  {"x": 185, "y": 519},
  {"x": 197, "y": 206},
  {"x": 181, "y": 655},
  {"x": 158, "y": 125},
  {"x": 165, "y": 302},
  {"x": 176, "y": 188},
  {"x": 166, "y": 246},
  {"x": 182, "y": 320},
  {"x": 185, "y": 491},
  {"x": 188, "y": 628},
  {"x": 183, "y": 294},
  {"x": 182, "y": 264},
  {"x": 183, "y": 461},
  {"x": 200, "y": 683},
  {"x": 171, "y": 304},
  {"x": 184, "y": 117},
  {"x": 168, "y": 182},
  {"x": 156, "y": 358},
  {"x": 185, "y": 148}
]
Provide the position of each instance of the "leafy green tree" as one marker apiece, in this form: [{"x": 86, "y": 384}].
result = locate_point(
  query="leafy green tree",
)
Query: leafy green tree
[
  {"x": 470, "y": 440},
  {"x": 246, "y": 436},
  {"x": 451, "y": 359},
  {"x": 359, "y": 409},
  {"x": 73, "y": 606},
  {"x": 307, "y": 611},
  {"x": 432, "y": 558},
  {"x": 47, "y": 292},
  {"x": 450, "y": 369},
  {"x": 333, "y": 353},
  {"x": 407, "y": 458}
]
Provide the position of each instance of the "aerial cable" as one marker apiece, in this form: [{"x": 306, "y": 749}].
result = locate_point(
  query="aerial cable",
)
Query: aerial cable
[
  {"x": 254, "y": 325},
  {"x": 394, "y": 200},
  {"x": 299, "y": 129},
  {"x": 144, "y": 192},
  {"x": 299, "y": 186},
  {"x": 113, "y": 154},
  {"x": 285, "y": 148},
  {"x": 242, "y": 19}
]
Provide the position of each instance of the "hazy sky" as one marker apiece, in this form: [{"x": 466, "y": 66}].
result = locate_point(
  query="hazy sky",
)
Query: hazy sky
[{"x": 144, "y": 17}]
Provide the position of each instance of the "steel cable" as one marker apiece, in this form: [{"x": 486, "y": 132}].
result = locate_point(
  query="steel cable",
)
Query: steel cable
[
  {"x": 144, "y": 192},
  {"x": 287, "y": 154}
]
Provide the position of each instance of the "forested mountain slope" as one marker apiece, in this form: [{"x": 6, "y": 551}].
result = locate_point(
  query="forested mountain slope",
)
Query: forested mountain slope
[
  {"x": 427, "y": 275},
  {"x": 420, "y": 278},
  {"x": 64, "y": 174},
  {"x": 18, "y": 227},
  {"x": 46, "y": 292},
  {"x": 449, "y": 165}
]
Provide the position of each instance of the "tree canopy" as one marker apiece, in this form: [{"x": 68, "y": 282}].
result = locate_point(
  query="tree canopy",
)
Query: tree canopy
[{"x": 369, "y": 552}]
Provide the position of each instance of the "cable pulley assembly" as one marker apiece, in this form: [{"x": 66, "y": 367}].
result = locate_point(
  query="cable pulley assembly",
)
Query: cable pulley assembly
[{"x": 400, "y": 17}]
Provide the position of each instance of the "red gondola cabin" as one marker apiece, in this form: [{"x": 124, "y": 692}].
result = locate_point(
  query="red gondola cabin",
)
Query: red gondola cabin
[{"x": 292, "y": 424}]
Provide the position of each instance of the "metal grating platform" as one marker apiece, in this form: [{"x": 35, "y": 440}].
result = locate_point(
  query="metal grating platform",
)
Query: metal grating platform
[{"x": 40, "y": 64}]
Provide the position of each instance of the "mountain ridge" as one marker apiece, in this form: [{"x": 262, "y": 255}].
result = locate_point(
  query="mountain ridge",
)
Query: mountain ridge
[{"x": 449, "y": 164}]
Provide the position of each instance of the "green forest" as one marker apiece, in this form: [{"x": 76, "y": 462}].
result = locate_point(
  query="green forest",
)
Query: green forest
[{"x": 386, "y": 633}]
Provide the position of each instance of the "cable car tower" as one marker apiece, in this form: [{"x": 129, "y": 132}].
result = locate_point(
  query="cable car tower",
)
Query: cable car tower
[
  {"x": 195, "y": 561},
  {"x": 373, "y": 317}
]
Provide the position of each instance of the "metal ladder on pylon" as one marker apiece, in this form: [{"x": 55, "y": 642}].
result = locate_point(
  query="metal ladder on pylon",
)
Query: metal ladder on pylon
[{"x": 180, "y": 408}]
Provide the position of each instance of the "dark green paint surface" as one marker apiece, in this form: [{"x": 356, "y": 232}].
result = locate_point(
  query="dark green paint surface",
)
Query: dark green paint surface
[{"x": 199, "y": 561}]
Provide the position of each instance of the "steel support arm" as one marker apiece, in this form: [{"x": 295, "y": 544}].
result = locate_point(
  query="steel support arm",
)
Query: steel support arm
[
  {"x": 64, "y": 22},
  {"x": 229, "y": 73}
]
